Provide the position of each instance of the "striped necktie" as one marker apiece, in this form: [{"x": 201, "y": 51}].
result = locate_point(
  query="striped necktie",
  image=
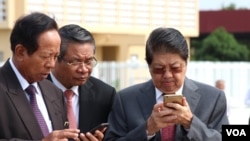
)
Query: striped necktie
[
  {"x": 168, "y": 133},
  {"x": 31, "y": 90}
]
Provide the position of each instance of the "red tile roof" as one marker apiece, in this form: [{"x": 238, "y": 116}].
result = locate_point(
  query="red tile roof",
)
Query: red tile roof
[{"x": 235, "y": 21}]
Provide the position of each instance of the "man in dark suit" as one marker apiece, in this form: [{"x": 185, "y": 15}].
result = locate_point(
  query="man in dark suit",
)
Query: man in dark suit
[
  {"x": 92, "y": 98},
  {"x": 138, "y": 111},
  {"x": 35, "y": 44}
]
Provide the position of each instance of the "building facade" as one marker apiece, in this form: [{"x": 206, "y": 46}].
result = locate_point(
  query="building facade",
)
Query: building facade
[{"x": 120, "y": 27}]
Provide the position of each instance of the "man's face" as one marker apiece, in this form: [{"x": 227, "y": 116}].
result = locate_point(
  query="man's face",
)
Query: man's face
[
  {"x": 37, "y": 66},
  {"x": 168, "y": 72},
  {"x": 75, "y": 67}
]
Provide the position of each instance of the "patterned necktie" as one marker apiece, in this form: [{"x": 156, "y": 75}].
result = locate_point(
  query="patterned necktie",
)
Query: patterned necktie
[
  {"x": 70, "y": 113},
  {"x": 31, "y": 90},
  {"x": 168, "y": 133}
]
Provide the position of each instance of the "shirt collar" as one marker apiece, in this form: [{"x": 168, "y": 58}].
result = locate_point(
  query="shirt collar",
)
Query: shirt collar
[
  {"x": 158, "y": 93},
  {"x": 22, "y": 81},
  {"x": 60, "y": 85}
]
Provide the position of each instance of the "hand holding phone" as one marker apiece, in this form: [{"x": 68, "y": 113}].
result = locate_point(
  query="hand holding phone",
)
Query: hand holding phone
[
  {"x": 99, "y": 127},
  {"x": 173, "y": 99}
]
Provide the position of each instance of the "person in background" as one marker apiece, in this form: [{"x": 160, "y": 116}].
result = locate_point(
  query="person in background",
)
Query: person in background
[
  {"x": 138, "y": 112},
  {"x": 92, "y": 98},
  {"x": 220, "y": 84},
  {"x": 32, "y": 108},
  {"x": 249, "y": 120},
  {"x": 247, "y": 102},
  {"x": 247, "y": 98}
]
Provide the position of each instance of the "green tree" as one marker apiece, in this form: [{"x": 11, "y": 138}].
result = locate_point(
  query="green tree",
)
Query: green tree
[
  {"x": 231, "y": 6},
  {"x": 221, "y": 46}
]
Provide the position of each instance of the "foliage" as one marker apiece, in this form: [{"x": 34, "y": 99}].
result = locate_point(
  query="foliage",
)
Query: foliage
[
  {"x": 231, "y": 6},
  {"x": 116, "y": 84},
  {"x": 221, "y": 46}
]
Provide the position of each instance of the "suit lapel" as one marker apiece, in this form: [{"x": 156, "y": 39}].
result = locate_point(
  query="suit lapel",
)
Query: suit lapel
[
  {"x": 146, "y": 99},
  {"x": 50, "y": 101},
  {"x": 192, "y": 97},
  {"x": 20, "y": 102},
  {"x": 86, "y": 100},
  {"x": 189, "y": 91}
]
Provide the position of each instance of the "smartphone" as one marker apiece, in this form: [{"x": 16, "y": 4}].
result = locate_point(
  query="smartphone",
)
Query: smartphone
[
  {"x": 99, "y": 127},
  {"x": 172, "y": 98}
]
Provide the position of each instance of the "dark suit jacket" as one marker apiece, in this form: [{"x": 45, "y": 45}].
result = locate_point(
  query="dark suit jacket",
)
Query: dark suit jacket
[
  {"x": 95, "y": 103},
  {"x": 133, "y": 106},
  {"x": 17, "y": 119}
]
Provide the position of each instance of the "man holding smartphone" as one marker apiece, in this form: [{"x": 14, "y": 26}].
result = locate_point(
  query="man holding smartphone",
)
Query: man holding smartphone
[
  {"x": 92, "y": 99},
  {"x": 139, "y": 113}
]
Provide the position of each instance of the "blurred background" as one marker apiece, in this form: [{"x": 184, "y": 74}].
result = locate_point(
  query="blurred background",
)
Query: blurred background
[{"x": 217, "y": 32}]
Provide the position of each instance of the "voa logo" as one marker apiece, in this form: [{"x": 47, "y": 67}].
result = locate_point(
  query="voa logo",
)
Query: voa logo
[{"x": 236, "y": 132}]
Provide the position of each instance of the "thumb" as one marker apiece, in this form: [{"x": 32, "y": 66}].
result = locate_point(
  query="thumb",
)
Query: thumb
[{"x": 184, "y": 101}]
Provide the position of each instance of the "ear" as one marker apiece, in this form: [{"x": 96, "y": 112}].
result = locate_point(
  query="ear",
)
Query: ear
[{"x": 20, "y": 51}]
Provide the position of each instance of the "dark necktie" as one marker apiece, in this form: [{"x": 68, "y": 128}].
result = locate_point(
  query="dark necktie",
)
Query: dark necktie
[
  {"x": 70, "y": 113},
  {"x": 31, "y": 90}
]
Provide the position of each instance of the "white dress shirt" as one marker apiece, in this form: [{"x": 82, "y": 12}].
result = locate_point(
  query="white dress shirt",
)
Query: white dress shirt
[
  {"x": 75, "y": 98},
  {"x": 40, "y": 102}
]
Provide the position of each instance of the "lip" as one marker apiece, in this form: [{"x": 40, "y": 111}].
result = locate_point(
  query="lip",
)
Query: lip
[
  {"x": 168, "y": 83},
  {"x": 45, "y": 75},
  {"x": 82, "y": 78}
]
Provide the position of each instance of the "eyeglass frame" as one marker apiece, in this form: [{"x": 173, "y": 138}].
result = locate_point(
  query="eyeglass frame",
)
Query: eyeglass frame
[{"x": 91, "y": 62}]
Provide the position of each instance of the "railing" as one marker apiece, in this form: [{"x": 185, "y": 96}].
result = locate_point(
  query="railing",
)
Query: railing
[{"x": 235, "y": 74}]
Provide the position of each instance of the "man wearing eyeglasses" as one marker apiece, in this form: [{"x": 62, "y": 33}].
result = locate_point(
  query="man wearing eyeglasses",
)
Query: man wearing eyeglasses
[
  {"x": 169, "y": 106},
  {"x": 92, "y": 98}
]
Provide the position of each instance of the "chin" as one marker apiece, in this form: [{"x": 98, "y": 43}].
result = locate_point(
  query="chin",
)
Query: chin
[
  {"x": 168, "y": 90},
  {"x": 83, "y": 82},
  {"x": 80, "y": 83}
]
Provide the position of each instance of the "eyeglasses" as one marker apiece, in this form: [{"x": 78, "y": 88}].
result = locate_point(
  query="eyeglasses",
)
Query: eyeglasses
[
  {"x": 89, "y": 63},
  {"x": 163, "y": 69}
]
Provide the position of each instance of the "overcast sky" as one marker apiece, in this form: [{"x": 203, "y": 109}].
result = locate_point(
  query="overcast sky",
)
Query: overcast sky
[{"x": 218, "y": 4}]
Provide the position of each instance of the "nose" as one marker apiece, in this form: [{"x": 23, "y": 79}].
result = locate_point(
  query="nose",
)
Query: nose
[
  {"x": 50, "y": 63},
  {"x": 168, "y": 73},
  {"x": 82, "y": 68}
]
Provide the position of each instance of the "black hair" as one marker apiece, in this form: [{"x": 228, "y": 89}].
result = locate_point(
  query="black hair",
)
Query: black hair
[
  {"x": 28, "y": 28},
  {"x": 73, "y": 33},
  {"x": 168, "y": 40}
]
